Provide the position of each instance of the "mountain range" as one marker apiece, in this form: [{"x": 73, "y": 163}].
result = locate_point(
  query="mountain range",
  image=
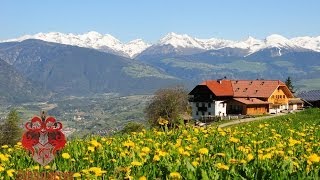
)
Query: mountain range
[
  {"x": 182, "y": 43},
  {"x": 67, "y": 64}
]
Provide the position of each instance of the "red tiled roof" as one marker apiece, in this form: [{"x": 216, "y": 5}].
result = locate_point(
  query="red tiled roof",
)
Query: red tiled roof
[
  {"x": 250, "y": 101},
  {"x": 219, "y": 88},
  {"x": 246, "y": 88},
  {"x": 257, "y": 88}
]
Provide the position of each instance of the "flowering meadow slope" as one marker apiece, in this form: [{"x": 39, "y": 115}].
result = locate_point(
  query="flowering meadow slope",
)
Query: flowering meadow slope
[{"x": 286, "y": 147}]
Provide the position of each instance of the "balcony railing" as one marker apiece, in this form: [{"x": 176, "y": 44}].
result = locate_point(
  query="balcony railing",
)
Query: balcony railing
[{"x": 280, "y": 101}]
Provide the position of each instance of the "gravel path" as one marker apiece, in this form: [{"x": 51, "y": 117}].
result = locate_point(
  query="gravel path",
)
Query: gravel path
[{"x": 249, "y": 120}]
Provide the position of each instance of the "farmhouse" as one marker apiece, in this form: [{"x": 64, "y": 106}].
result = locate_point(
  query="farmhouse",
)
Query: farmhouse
[{"x": 251, "y": 97}]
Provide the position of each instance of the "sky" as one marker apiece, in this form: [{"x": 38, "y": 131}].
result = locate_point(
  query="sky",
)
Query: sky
[{"x": 150, "y": 19}]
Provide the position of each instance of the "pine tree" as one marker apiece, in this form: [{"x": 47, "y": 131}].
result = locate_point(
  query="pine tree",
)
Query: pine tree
[
  {"x": 10, "y": 130},
  {"x": 289, "y": 84}
]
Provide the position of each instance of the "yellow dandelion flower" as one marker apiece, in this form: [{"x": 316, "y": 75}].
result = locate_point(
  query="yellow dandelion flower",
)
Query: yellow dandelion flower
[
  {"x": 195, "y": 163},
  {"x": 129, "y": 144},
  {"x": 97, "y": 171},
  {"x": 313, "y": 158},
  {"x": 222, "y": 166},
  {"x": 10, "y": 172},
  {"x": 156, "y": 158},
  {"x": 1, "y": 168},
  {"x": 4, "y": 157},
  {"x": 136, "y": 163},
  {"x": 36, "y": 168},
  {"x": 250, "y": 157},
  {"x": 175, "y": 175},
  {"x": 234, "y": 140},
  {"x": 95, "y": 143},
  {"x": 142, "y": 178},
  {"x": 91, "y": 148},
  {"x": 203, "y": 151},
  {"x": 5, "y": 146},
  {"x": 76, "y": 175},
  {"x": 65, "y": 156},
  {"x": 145, "y": 150},
  {"x": 47, "y": 167}
]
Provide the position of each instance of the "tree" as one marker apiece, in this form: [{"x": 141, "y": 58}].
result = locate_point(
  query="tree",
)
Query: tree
[
  {"x": 132, "y": 127},
  {"x": 10, "y": 130},
  {"x": 289, "y": 84},
  {"x": 167, "y": 104}
]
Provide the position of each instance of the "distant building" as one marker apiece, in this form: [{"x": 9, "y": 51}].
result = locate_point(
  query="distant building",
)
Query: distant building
[
  {"x": 312, "y": 97},
  {"x": 250, "y": 97}
]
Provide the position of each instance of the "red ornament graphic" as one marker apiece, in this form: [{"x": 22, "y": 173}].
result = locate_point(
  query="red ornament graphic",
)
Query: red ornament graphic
[{"x": 43, "y": 138}]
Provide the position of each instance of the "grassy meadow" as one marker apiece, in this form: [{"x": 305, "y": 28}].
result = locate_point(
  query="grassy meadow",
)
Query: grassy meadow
[{"x": 284, "y": 147}]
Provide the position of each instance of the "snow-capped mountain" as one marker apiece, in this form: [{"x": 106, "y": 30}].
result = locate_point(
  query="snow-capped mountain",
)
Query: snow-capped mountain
[
  {"x": 173, "y": 43},
  {"x": 93, "y": 40},
  {"x": 180, "y": 41}
]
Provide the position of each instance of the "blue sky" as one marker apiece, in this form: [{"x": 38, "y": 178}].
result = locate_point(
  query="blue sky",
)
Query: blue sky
[{"x": 151, "y": 19}]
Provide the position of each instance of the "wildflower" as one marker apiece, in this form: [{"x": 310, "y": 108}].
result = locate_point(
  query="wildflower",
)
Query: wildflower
[
  {"x": 145, "y": 150},
  {"x": 234, "y": 140},
  {"x": 47, "y": 167},
  {"x": 250, "y": 157},
  {"x": 36, "y": 168},
  {"x": 65, "y": 156},
  {"x": 76, "y": 175},
  {"x": 95, "y": 143},
  {"x": 222, "y": 166},
  {"x": 136, "y": 163},
  {"x": 175, "y": 175},
  {"x": 313, "y": 158},
  {"x": 4, "y": 157},
  {"x": 293, "y": 142},
  {"x": 128, "y": 144},
  {"x": 156, "y": 158},
  {"x": 1, "y": 168},
  {"x": 91, "y": 148},
  {"x": 195, "y": 163},
  {"x": 5, "y": 146},
  {"x": 97, "y": 171},
  {"x": 203, "y": 151},
  {"x": 142, "y": 178},
  {"x": 10, "y": 172}
]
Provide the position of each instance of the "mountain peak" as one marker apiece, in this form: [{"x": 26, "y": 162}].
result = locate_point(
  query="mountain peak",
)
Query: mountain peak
[{"x": 177, "y": 40}]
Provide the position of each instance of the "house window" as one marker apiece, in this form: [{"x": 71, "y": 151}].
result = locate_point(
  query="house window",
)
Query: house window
[
  {"x": 223, "y": 104},
  {"x": 197, "y": 113},
  {"x": 203, "y": 105},
  {"x": 209, "y": 105},
  {"x": 209, "y": 113},
  {"x": 283, "y": 96},
  {"x": 202, "y": 113},
  {"x": 197, "y": 104}
]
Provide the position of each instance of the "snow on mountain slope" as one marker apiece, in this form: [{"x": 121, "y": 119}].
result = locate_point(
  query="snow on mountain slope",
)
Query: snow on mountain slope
[
  {"x": 214, "y": 43},
  {"x": 133, "y": 48},
  {"x": 308, "y": 42},
  {"x": 91, "y": 39},
  {"x": 177, "y": 40}
]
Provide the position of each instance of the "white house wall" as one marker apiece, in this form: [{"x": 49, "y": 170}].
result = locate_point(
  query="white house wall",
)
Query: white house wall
[{"x": 218, "y": 108}]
